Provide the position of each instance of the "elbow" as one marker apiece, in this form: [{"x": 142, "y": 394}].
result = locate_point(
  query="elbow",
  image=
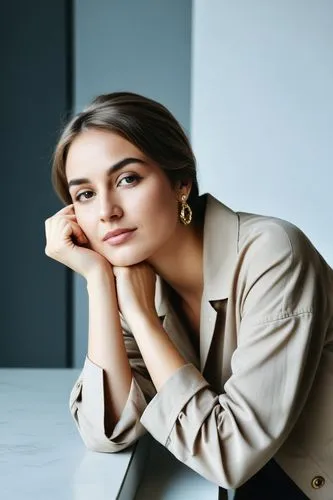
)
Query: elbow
[
  {"x": 101, "y": 440},
  {"x": 93, "y": 437},
  {"x": 102, "y": 445}
]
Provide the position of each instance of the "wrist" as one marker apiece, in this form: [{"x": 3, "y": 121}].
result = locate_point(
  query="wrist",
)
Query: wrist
[
  {"x": 100, "y": 274},
  {"x": 142, "y": 320}
]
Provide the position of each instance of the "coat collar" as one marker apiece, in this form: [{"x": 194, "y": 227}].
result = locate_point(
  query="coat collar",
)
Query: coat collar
[
  {"x": 220, "y": 248},
  {"x": 221, "y": 230}
]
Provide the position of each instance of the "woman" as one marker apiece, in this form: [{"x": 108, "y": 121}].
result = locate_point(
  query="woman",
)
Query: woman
[{"x": 210, "y": 329}]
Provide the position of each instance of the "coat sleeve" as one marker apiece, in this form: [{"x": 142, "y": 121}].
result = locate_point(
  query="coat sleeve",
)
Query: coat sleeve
[
  {"x": 87, "y": 402},
  {"x": 228, "y": 437}
]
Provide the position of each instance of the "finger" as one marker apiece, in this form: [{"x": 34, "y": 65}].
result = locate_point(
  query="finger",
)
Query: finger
[
  {"x": 68, "y": 209},
  {"x": 76, "y": 232},
  {"x": 57, "y": 216},
  {"x": 70, "y": 217}
]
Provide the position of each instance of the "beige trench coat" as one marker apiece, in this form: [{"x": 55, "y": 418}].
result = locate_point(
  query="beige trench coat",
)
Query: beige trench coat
[{"x": 262, "y": 385}]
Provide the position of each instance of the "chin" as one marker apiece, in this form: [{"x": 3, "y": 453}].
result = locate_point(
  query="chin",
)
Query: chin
[
  {"x": 126, "y": 259},
  {"x": 124, "y": 262}
]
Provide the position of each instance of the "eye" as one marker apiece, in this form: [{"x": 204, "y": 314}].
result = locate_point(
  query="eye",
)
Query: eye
[
  {"x": 129, "y": 180},
  {"x": 85, "y": 194}
]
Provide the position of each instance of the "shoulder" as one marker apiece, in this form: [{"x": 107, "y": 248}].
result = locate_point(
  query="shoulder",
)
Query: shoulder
[
  {"x": 254, "y": 232},
  {"x": 278, "y": 267},
  {"x": 271, "y": 236}
]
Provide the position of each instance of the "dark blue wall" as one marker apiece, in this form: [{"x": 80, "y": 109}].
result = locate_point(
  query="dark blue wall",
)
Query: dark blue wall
[{"x": 35, "y": 96}]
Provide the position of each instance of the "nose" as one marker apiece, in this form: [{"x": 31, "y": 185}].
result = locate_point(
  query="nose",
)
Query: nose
[{"x": 109, "y": 208}]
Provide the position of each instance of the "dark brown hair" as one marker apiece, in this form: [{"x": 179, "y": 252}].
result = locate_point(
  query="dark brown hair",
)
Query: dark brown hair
[{"x": 145, "y": 123}]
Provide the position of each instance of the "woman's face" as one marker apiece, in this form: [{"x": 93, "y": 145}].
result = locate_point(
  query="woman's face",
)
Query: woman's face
[{"x": 114, "y": 186}]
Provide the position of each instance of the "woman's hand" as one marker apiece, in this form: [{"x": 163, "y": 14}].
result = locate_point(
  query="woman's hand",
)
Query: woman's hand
[
  {"x": 136, "y": 291},
  {"x": 67, "y": 243}
]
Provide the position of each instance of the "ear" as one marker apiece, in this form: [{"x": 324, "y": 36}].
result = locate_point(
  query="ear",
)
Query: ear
[{"x": 183, "y": 187}]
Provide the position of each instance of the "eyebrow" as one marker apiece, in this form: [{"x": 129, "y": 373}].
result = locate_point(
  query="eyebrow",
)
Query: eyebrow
[{"x": 114, "y": 168}]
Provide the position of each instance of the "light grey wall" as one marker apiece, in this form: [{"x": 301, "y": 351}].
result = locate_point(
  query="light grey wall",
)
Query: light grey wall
[
  {"x": 262, "y": 108},
  {"x": 142, "y": 46}
]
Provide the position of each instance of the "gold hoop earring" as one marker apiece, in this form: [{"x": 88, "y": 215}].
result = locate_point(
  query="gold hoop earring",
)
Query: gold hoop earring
[{"x": 185, "y": 212}]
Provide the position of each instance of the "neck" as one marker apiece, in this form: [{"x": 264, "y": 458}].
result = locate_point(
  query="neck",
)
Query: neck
[{"x": 180, "y": 262}]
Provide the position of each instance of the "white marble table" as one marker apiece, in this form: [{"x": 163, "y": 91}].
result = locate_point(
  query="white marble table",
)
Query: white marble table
[{"x": 42, "y": 455}]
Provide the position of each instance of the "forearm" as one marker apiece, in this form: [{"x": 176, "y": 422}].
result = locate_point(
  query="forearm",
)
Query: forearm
[
  {"x": 105, "y": 342},
  {"x": 161, "y": 357}
]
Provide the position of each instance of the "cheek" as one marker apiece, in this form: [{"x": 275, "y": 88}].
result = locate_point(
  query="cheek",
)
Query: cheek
[
  {"x": 157, "y": 204},
  {"x": 161, "y": 217}
]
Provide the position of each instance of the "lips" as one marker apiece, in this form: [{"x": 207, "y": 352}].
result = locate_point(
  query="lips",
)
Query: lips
[
  {"x": 118, "y": 236},
  {"x": 116, "y": 232}
]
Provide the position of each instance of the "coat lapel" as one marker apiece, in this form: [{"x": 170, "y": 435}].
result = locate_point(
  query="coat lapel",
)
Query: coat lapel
[
  {"x": 207, "y": 327},
  {"x": 220, "y": 248}
]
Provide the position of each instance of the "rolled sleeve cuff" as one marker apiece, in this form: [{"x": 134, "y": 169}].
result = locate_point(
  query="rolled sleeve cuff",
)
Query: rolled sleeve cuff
[
  {"x": 88, "y": 409},
  {"x": 162, "y": 412},
  {"x": 93, "y": 393},
  {"x": 128, "y": 427}
]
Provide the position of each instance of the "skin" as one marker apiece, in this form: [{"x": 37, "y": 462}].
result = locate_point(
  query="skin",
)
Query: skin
[{"x": 138, "y": 195}]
